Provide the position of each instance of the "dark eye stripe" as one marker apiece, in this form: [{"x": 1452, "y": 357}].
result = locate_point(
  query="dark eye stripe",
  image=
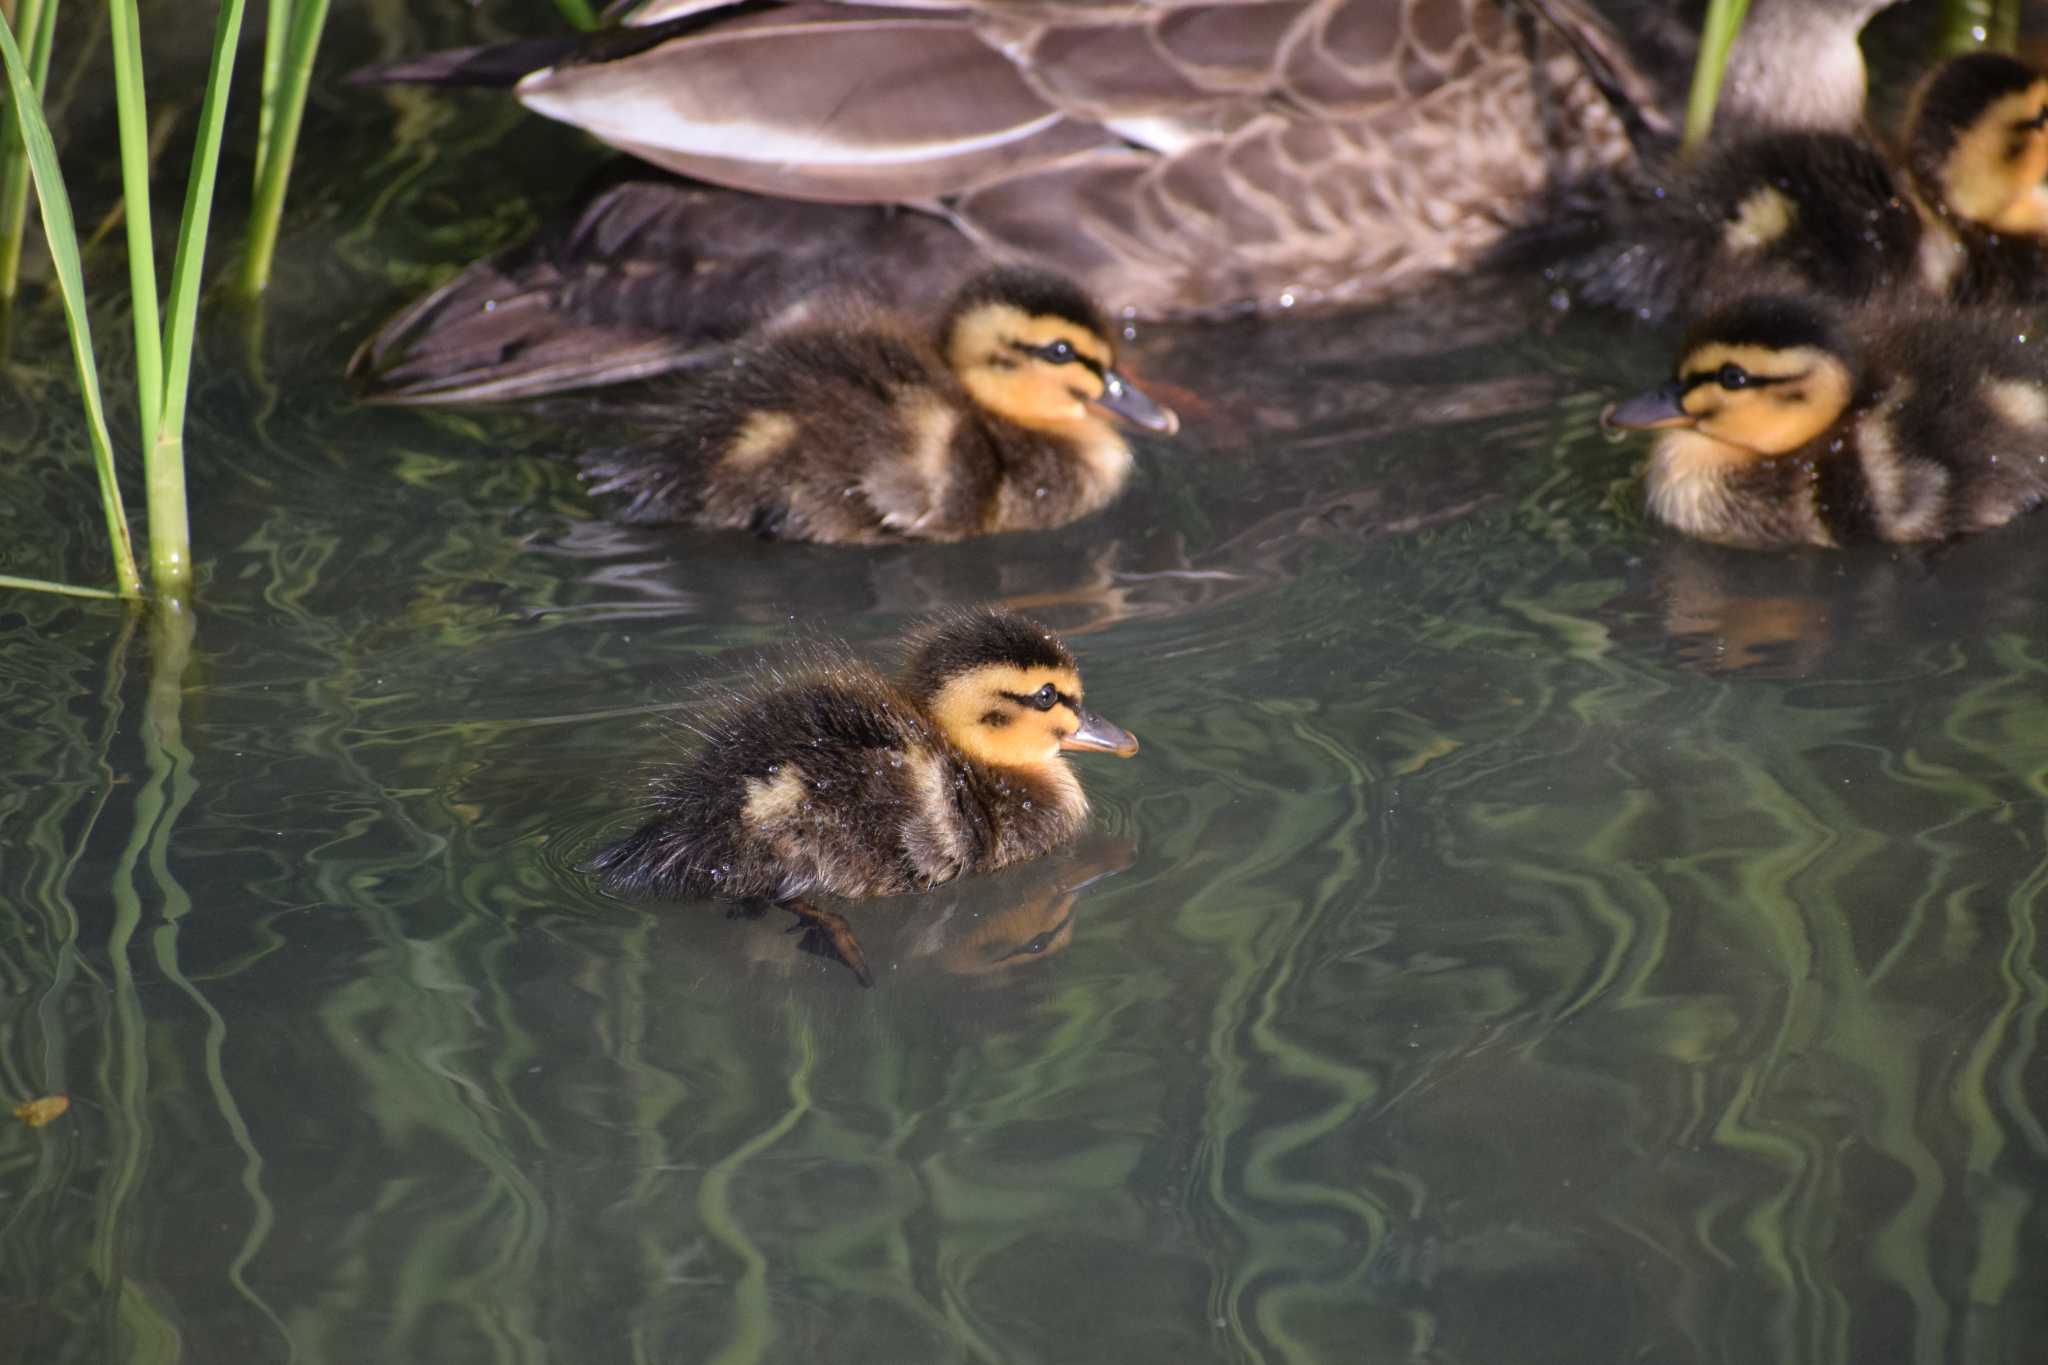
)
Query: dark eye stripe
[
  {"x": 1075, "y": 357},
  {"x": 1030, "y": 699},
  {"x": 1756, "y": 381}
]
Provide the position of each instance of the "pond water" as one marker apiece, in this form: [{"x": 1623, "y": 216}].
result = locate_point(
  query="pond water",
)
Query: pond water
[{"x": 1524, "y": 936}]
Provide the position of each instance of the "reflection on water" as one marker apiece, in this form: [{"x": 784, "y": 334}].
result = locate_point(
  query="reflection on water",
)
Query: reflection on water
[{"x": 1524, "y": 936}]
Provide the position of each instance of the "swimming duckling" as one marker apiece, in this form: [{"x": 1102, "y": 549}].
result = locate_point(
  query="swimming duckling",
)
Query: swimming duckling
[
  {"x": 1789, "y": 426},
  {"x": 875, "y": 433},
  {"x": 1976, "y": 150},
  {"x": 838, "y": 781}
]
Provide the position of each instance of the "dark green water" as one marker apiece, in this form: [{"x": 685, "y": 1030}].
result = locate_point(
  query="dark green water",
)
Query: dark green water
[{"x": 1524, "y": 938}]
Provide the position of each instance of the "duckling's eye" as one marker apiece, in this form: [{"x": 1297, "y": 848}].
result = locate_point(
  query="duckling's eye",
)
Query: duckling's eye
[
  {"x": 1732, "y": 377},
  {"x": 1046, "y": 697},
  {"x": 1057, "y": 352}
]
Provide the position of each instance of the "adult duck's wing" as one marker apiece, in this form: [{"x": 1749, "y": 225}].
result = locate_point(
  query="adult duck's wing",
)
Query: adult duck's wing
[
  {"x": 1179, "y": 158},
  {"x": 835, "y": 102},
  {"x": 653, "y": 275}
]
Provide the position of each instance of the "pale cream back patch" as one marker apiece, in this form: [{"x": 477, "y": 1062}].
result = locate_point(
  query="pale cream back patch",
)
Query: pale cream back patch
[
  {"x": 761, "y": 437},
  {"x": 2019, "y": 402},
  {"x": 1909, "y": 496},
  {"x": 1762, "y": 218},
  {"x": 933, "y": 788},
  {"x": 773, "y": 800}
]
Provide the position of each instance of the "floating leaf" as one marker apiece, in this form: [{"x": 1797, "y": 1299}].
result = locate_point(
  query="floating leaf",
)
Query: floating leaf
[{"x": 37, "y": 1112}]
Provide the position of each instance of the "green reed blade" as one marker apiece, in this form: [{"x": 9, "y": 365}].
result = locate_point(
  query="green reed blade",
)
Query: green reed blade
[
  {"x": 1717, "y": 36},
  {"x": 38, "y": 19},
  {"x": 309, "y": 17},
  {"x": 132, "y": 120},
  {"x": 182, "y": 313},
  {"x": 170, "y": 551},
  {"x": 63, "y": 238}
]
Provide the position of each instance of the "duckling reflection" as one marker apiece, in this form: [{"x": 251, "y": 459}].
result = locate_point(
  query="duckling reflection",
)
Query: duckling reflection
[
  {"x": 1719, "y": 610},
  {"x": 1731, "y": 612},
  {"x": 992, "y": 933},
  {"x": 998, "y": 420},
  {"x": 838, "y": 781}
]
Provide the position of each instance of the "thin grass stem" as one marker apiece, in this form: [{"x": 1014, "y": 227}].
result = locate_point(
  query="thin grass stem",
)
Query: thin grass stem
[
  {"x": 578, "y": 12},
  {"x": 63, "y": 589},
  {"x": 309, "y": 17},
  {"x": 62, "y": 233},
  {"x": 1717, "y": 36},
  {"x": 170, "y": 543},
  {"x": 38, "y": 19}
]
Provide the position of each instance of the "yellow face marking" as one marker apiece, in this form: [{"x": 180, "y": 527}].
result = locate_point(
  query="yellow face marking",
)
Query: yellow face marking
[
  {"x": 1993, "y": 174},
  {"x": 761, "y": 437},
  {"x": 1762, "y": 218},
  {"x": 1033, "y": 392},
  {"x": 980, "y": 713},
  {"x": 1782, "y": 398}
]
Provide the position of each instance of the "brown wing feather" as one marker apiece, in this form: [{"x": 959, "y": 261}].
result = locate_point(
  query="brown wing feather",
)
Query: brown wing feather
[
  {"x": 827, "y": 102},
  {"x": 654, "y": 275}
]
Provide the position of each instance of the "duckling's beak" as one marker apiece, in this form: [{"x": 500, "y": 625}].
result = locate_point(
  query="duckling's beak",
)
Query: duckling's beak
[
  {"x": 1660, "y": 407},
  {"x": 1126, "y": 400},
  {"x": 1102, "y": 736}
]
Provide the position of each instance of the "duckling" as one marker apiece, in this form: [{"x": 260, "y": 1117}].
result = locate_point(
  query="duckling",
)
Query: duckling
[
  {"x": 838, "y": 781},
  {"x": 1792, "y": 210},
  {"x": 1976, "y": 151},
  {"x": 875, "y": 433},
  {"x": 1788, "y": 425},
  {"x": 1965, "y": 218}
]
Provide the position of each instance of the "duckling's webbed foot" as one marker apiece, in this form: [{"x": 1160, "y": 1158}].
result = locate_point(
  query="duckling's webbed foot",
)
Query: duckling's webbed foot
[{"x": 827, "y": 934}]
